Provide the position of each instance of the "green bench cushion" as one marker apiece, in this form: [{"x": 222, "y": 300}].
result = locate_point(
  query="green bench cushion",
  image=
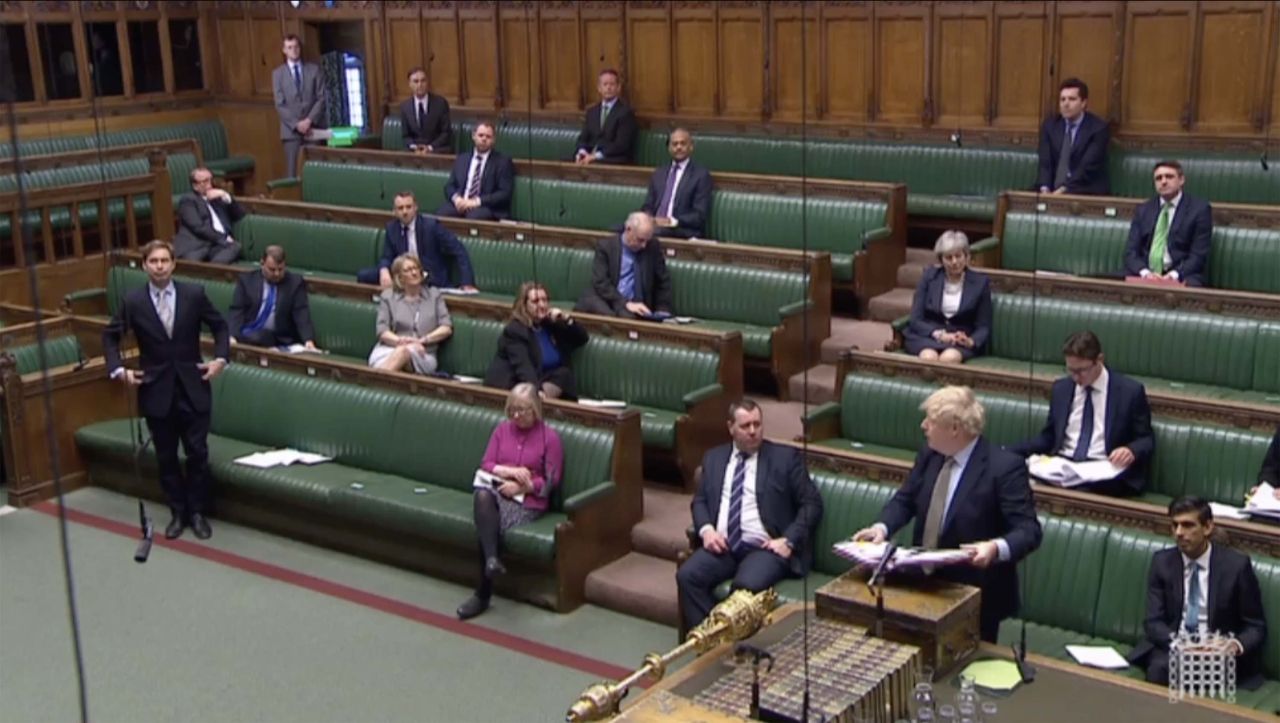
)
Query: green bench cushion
[
  {"x": 59, "y": 351},
  {"x": 312, "y": 247}
]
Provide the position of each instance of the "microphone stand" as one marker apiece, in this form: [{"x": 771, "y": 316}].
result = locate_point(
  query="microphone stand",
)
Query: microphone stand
[
  {"x": 144, "y": 545},
  {"x": 876, "y": 585}
]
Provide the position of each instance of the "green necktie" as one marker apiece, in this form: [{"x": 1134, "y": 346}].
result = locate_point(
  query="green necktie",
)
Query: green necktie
[
  {"x": 1155, "y": 261},
  {"x": 604, "y": 113}
]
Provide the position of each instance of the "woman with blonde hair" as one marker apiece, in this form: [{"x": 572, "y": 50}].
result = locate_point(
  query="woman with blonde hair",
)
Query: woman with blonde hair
[
  {"x": 535, "y": 346},
  {"x": 412, "y": 320}
]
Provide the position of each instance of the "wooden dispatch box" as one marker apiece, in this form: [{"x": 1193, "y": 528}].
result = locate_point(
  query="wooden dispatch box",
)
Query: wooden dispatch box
[{"x": 940, "y": 618}]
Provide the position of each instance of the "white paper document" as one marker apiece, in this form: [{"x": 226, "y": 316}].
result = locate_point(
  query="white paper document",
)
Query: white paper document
[
  {"x": 454, "y": 291},
  {"x": 1263, "y": 501},
  {"x": 281, "y": 458},
  {"x": 1062, "y": 472},
  {"x": 870, "y": 553},
  {"x": 1221, "y": 511},
  {"x": 300, "y": 349},
  {"x": 602, "y": 403},
  {"x": 466, "y": 379},
  {"x": 486, "y": 481},
  {"x": 1098, "y": 656}
]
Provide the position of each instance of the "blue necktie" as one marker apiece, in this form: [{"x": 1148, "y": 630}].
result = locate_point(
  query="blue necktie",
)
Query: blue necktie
[
  {"x": 1086, "y": 428},
  {"x": 297, "y": 78},
  {"x": 627, "y": 275},
  {"x": 265, "y": 313},
  {"x": 1193, "y": 600},
  {"x": 735, "y": 503}
]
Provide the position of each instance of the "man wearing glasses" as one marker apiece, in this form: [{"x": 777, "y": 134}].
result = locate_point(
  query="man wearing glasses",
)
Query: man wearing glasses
[{"x": 1096, "y": 413}]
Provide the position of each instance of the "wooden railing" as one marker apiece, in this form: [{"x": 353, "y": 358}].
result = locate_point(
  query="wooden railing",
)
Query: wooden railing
[{"x": 93, "y": 156}]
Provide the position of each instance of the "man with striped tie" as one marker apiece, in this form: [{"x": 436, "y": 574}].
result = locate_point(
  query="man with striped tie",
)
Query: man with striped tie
[
  {"x": 755, "y": 512},
  {"x": 481, "y": 183}
]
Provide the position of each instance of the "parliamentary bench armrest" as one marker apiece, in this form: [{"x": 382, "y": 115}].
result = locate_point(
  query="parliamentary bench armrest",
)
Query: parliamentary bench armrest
[
  {"x": 588, "y": 496},
  {"x": 795, "y": 307},
  {"x": 827, "y": 410},
  {"x": 900, "y": 324},
  {"x": 698, "y": 395},
  {"x": 86, "y": 302},
  {"x": 884, "y": 233},
  {"x": 279, "y": 183},
  {"x": 989, "y": 243}
]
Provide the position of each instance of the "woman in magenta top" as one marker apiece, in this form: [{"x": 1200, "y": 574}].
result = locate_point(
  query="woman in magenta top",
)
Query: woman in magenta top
[{"x": 524, "y": 452}]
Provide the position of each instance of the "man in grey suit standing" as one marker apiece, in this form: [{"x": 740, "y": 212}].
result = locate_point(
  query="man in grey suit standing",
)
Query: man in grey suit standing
[{"x": 299, "y": 94}]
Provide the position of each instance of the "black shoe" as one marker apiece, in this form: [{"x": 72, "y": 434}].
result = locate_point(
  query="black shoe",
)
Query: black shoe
[
  {"x": 174, "y": 530},
  {"x": 493, "y": 567},
  {"x": 200, "y": 526},
  {"x": 472, "y": 607}
]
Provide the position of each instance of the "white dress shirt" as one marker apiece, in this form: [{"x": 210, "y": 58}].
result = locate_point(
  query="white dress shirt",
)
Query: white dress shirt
[
  {"x": 1097, "y": 445},
  {"x": 951, "y": 294},
  {"x": 753, "y": 532},
  {"x": 1173, "y": 211},
  {"x": 1203, "y": 562}
]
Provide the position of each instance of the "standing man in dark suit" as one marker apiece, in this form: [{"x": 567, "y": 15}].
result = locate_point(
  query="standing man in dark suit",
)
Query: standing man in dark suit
[
  {"x": 173, "y": 380},
  {"x": 609, "y": 128},
  {"x": 1200, "y": 587},
  {"x": 435, "y": 247},
  {"x": 679, "y": 197},
  {"x": 424, "y": 118},
  {"x": 298, "y": 88},
  {"x": 629, "y": 275},
  {"x": 1170, "y": 235},
  {"x": 205, "y": 218},
  {"x": 1096, "y": 413},
  {"x": 1073, "y": 145},
  {"x": 270, "y": 306},
  {"x": 966, "y": 492},
  {"x": 755, "y": 512},
  {"x": 481, "y": 183}
]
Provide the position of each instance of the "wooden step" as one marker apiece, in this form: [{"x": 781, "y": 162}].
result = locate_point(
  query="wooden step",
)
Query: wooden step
[
  {"x": 921, "y": 257},
  {"x": 782, "y": 420},
  {"x": 663, "y": 531},
  {"x": 817, "y": 387},
  {"x": 890, "y": 305},
  {"x": 854, "y": 334},
  {"x": 639, "y": 585},
  {"x": 909, "y": 275}
]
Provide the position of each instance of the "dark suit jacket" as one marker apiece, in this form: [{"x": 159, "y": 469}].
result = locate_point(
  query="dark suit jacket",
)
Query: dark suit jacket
[
  {"x": 1235, "y": 605},
  {"x": 973, "y": 317},
  {"x": 617, "y": 139},
  {"x": 1128, "y": 424},
  {"x": 497, "y": 181},
  {"x": 1270, "y": 471},
  {"x": 992, "y": 500},
  {"x": 1190, "y": 236},
  {"x": 437, "y": 132},
  {"x": 195, "y": 223},
  {"x": 168, "y": 363},
  {"x": 435, "y": 244},
  {"x": 653, "y": 282},
  {"x": 692, "y": 203},
  {"x": 293, "y": 311},
  {"x": 789, "y": 503},
  {"x": 519, "y": 356},
  {"x": 1087, "y": 164}
]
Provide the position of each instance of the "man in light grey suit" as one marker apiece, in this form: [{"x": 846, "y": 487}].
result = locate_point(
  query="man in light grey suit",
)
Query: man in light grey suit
[{"x": 299, "y": 96}]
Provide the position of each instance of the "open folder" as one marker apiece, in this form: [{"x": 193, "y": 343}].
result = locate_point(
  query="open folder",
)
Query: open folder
[{"x": 1063, "y": 472}]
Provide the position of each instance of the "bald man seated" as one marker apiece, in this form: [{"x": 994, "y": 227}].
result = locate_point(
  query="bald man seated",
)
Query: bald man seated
[{"x": 629, "y": 276}]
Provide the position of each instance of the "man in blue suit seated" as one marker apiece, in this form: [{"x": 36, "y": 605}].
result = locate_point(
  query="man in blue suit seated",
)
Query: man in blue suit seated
[
  {"x": 481, "y": 183},
  {"x": 1170, "y": 235},
  {"x": 755, "y": 512},
  {"x": 968, "y": 493},
  {"x": 1073, "y": 145},
  {"x": 951, "y": 311},
  {"x": 434, "y": 245},
  {"x": 679, "y": 197},
  {"x": 1096, "y": 413}
]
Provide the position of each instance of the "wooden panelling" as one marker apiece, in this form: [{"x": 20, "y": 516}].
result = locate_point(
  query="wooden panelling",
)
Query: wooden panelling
[
  {"x": 404, "y": 40},
  {"x": 902, "y": 53},
  {"x": 236, "y": 48},
  {"x": 1157, "y": 67},
  {"x": 444, "y": 60},
  {"x": 267, "y": 40},
  {"x": 1231, "y": 82},
  {"x": 696, "y": 52},
  {"x": 796, "y": 62},
  {"x": 741, "y": 59},
  {"x": 649, "y": 59},
  {"x": 960, "y": 64},
  {"x": 521, "y": 81},
  {"x": 1087, "y": 33},
  {"x": 602, "y": 45},
  {"x": 1021, "y": 42},
  {"x": 561, "y": 61},
  {"x": 847, "y": 62},
  {"x": 479, "y": 55},
  {"x": 254, "y": 129}
]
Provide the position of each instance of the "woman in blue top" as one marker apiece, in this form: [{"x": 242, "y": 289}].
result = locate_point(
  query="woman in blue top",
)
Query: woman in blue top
[{"x": 536, "y": 345}]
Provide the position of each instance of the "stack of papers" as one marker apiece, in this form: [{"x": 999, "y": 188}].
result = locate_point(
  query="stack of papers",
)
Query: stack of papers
[
  {"x": 602, "y": 403},
  {"x": 457, "y": 292},
  {"x": 1263, "y": 503},
  {"x": 281, "y": 458},
  {"x": 1227, "y": 512},
  {"x": 485, "y": 480},
  {"x": 1098, "y": 656},
  {"x": 870, "y": 553},
  {"x": 466, "y": 379},
  {"x": 1063, "y": 472},
  {"x": 300, "y": 349}
]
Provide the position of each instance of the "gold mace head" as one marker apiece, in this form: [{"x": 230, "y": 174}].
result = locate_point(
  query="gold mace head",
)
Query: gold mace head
[{"x": 597, "y": 702}]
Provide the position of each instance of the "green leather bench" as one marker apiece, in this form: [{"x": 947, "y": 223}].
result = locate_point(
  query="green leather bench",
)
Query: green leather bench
[
  {"x": 391, "y": 445},
  {"x": 842, "y": 227},
  {"x": 1224, "y": 178},
  {"x": 1242, "y": 259},
  {"x": 664, "y": 383},
  {"x": 59, "y": 350},
  {"x": 1087, "y": 584},
  {"x": 210, "y": 134},
  {"x": 880, "y": 415},
  {"x": 313, "y": 248},
  {"x": 517, "y": 139}
]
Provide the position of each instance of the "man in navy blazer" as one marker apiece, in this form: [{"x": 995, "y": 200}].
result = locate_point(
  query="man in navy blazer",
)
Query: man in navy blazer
[
  {"x": 755, "y": 512},
  {"x": 1112, "y": 421},
  {"x": 1227, "y": 600},
  {"x": 679, "y": 197},
  {"x": 173, "y": 379},
  {"x": 424, "y": 118},
  {"x": 205, "y": 219},
  {"x": 422, "y": 236},
  {"x": 270, "y": 306},
  {"x": 1074, "y": 145},
  {"x": 1170, "y": 235},
  {"x": 481, "y": 183},
  {"x": 609, "y": 128},
  {"x": 629, "y": 275},
  {"x": 966, "y": 492}
]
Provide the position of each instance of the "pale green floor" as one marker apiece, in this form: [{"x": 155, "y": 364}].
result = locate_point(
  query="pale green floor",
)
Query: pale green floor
[{"x": 186, "y": 639}]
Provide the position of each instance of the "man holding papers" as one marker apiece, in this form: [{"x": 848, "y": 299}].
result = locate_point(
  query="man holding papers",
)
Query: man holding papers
[
  {"x": 1097, "y": 414},
  {"x": 965, "y": 492},
  {"x": 1201, "y": 587},
  {"x": 270, "y": 306}
]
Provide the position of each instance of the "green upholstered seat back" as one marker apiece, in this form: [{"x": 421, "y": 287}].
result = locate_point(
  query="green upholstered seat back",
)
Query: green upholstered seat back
[
  {"x": 1225, "y": 178},
  {"x": 311, "y": 245},
  {"x": 437, "y": 441},
  {"x": 523, "y": 139},
  {"x": 1068, "y": 244},
  {"x": 123, "y": 279},
  {"x": 58, "y": 350},
  {"x": 1122, "y": 597},
  {"x": 1266, "y": 361},
  {"x": 472, "y": 346},
  {"x": 760, "y": 219},
  {"x": 573, "y": 203},
  {"x": 375, "y": 187},
  {"x": 344, "y": 327},
  {"x": 1062, "y": 576},
  {"x": 848, "y": 505},
  {"x": 1245, "y": 259},
  {"x": 501, "y": 266},
  {"x": 1267, "y": 570},
  {"x": 741, "y": 294},
  {"x": 652, "y": 375}
]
